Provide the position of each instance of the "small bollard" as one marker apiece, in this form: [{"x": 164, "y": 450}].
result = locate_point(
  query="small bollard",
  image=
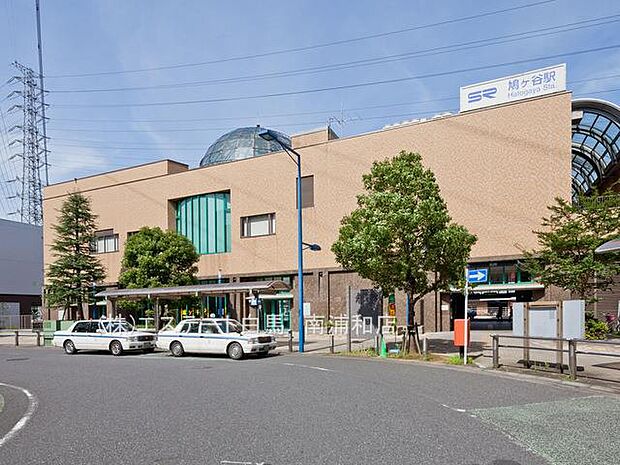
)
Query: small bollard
[
  {"x": 495, "y": 351},
  {"x": 377, "y": 344},
  {"x": 425, "y": 346},
  {"x": 38, "y": 338},
  {"x": 572, "y": 359},
  {"x": 16, "y": 338},
  {"x": 331, "y": 343},
  {"x": 290, "y": 340}
]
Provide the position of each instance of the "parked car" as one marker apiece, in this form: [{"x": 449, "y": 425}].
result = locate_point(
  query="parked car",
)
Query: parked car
[
  {"x": 116, "y": 335},
  {"x": 214, "y": 336}
]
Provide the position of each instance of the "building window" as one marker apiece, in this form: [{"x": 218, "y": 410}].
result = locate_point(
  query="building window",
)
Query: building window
[
  {"x": 258, "y": 225},
  {"x": 105, "y": 242},
  {"x": 205, "y": 221},
  {"x": 307, "y": 191}
]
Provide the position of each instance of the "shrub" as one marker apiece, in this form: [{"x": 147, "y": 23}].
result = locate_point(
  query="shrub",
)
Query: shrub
[{"x": 595, "y": 329}]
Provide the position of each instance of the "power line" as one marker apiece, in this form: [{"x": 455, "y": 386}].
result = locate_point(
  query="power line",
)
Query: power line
[
  {"x": 309, "y": 47},
  {"x": 194, "y": 147},
  {"x": 498, "y": 40},
  {"x": 341, "y": 87},
  {"x": 257, "y": 116},
  {"x": 287, "y": 115}
]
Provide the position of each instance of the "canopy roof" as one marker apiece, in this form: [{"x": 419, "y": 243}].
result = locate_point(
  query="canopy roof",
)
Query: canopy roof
[
  {"x": 610, "y": 246},
  {"x": 264, "y": 287}
]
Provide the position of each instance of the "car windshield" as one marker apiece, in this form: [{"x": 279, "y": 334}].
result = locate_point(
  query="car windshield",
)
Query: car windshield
[{"x": 229, "y": 326}]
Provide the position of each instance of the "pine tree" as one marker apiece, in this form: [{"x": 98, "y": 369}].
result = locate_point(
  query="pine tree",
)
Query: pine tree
[{"x": 75, "y": 269}]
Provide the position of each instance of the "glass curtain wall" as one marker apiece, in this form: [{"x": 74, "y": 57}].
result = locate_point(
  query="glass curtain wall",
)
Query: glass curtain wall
[{"x": 205, "y": 220}]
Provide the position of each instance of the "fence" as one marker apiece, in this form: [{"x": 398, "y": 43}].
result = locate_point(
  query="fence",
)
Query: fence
[
  {"x": 572, "y": 350},
  {"x": 16, "y": 322},
  {"x": 20, "y": 335}
]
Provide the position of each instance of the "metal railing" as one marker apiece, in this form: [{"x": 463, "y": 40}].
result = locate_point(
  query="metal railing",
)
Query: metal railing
[
  {"x": 21, "y": 334},
  {"x": 572, "y": 350},
  {"x": 8, "y": 322}
]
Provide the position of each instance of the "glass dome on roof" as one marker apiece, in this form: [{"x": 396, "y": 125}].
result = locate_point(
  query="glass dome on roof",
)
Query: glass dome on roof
[
  {"x": 596, "y": 144},
  {"x": 241, "y": 143}
]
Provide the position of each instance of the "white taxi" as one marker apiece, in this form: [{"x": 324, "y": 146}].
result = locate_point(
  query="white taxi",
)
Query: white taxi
[
  {"x": 116, "y": 335},
  {"x": 214, "y": 336}
]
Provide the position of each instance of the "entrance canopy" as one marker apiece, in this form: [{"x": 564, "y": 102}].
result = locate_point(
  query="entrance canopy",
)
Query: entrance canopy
[
  {"x": 198, "y": 290},
  {"x": 611, "y": 246}
]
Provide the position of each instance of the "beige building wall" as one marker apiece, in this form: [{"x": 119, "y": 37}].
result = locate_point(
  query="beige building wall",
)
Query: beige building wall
[{"x": 498, "y": 169}]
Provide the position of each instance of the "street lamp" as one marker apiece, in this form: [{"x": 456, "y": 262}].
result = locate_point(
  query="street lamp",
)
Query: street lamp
[{"x": 272, "y": 136}]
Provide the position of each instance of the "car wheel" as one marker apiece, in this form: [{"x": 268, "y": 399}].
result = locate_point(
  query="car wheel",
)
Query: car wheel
[
  {"x": 69, "y": 347},
  {"x": 176, "y": 349},
  {"x": 116, "y": 348},
  {"x": 235, "y": 351}
]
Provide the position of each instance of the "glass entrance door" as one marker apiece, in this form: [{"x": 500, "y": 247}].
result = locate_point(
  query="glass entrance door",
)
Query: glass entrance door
[{"x": 276, "y": 315}]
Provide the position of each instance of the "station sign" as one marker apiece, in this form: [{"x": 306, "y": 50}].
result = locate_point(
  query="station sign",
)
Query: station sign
[
  {"x": 513, "y": 88},
  {"x": 480, "y": 275}
]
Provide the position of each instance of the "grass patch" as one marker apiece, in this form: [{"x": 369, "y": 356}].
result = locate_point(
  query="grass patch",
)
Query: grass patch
[
  {"x": 458, "y": 360},
  {"x": 370, "y": 352}
]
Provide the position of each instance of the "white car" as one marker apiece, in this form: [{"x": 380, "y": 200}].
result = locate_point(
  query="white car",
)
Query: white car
[
  {"x": 214, "y": 336},
  {"x": 116, "y": 335}
]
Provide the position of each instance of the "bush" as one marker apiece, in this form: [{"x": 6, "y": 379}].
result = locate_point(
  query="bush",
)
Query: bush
[{"x": 595, "y": 329}]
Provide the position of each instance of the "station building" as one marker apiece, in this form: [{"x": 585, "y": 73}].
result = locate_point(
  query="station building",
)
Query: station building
[{"x": 498, "y": 168}]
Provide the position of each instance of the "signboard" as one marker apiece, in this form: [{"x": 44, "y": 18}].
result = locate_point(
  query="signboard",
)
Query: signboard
[
  {"x": 512, "y": 88},
  {"x": 480, "y": 275}
]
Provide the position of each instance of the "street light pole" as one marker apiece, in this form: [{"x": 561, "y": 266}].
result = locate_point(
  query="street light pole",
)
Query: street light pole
[
  {"x": 300, "y": 257},
  {"x": 268, "y": 135}
]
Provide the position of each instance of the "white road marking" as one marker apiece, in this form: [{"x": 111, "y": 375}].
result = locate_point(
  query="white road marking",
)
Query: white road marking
[
  {"x": 460, "y": 410},
  {"x": 32, "y": 405},
  {"x": 306, "y": 366},
  {"x": 229, "y": 462}
]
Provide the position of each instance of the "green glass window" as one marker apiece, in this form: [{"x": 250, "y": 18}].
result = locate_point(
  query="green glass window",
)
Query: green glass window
[{"x": 205, "y": 220}]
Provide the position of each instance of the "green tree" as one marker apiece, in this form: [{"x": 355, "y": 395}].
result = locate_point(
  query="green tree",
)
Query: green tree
[
  {"x": 156, "y": 258},
  {"x": 75, "y": 269},
  {"x": 401, "y": 234},
  {"x": 565, "y": 255}
]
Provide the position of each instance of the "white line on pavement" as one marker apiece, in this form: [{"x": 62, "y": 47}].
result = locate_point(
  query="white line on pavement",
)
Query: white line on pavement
[
  {"x": 307, "y": 366},
  {"x": 32, "y": 405}
]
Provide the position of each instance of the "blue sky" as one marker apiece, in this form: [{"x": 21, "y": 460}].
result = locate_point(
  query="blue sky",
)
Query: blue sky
[{"x": 116, "y": 36}]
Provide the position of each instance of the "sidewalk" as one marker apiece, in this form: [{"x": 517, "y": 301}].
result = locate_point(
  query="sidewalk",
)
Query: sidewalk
[{"x": 590, "y": 367}]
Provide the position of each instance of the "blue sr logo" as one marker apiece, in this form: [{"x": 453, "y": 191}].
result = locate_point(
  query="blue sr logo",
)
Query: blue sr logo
[{"x": 478, "y": 95}]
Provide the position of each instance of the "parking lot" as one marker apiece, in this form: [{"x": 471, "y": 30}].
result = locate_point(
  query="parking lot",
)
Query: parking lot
[{"x": 285, "y": 409}]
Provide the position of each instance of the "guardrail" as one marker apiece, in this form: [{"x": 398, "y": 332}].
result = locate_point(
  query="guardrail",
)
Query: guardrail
[
  {"x": 572, "y": 350},
  {"x": 17, "y": 334}
]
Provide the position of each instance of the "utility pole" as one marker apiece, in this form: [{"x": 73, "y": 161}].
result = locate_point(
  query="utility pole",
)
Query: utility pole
[
  {"x": 30, "y": 194},
  {"x": 42, "y": 91}
]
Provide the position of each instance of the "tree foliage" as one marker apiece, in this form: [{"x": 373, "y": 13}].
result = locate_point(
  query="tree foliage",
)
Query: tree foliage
[
  {"x": 571, "y": 233},
  {"x": 156, "y": 258},
  {"x": 401, "y": 234},
  {"x": 75, "y": 268}
]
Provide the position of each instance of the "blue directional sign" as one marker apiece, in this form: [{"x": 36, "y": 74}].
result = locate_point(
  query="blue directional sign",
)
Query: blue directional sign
[{"x": 480, "y": 275}]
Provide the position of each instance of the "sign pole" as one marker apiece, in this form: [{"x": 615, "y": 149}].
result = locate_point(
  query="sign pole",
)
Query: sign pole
[{"x": 466, "y": 320}]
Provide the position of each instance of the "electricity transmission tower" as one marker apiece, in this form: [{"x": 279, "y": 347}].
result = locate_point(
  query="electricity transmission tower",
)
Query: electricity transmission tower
[{"x": 32, "y": 152}]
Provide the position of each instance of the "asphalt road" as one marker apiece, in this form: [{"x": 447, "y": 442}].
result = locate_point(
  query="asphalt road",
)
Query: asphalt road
[{"x": 289, "y": 409}]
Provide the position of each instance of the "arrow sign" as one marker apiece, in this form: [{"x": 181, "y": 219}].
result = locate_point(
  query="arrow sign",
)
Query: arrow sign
[{"x": 481, "y": 275}]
